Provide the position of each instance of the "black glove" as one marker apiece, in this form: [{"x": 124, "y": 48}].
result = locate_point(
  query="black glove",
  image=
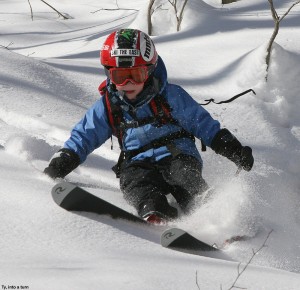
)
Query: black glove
[
  {"x": 62, "y": 163},
  {"x": 225, "y": 144}
]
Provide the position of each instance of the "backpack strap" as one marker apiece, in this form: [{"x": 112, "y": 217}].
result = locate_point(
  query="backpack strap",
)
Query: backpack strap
[
  {"x": 161, "y": 108},
  {"x": 162, "y": 111},
  {"x": 114, "y": 112},
  {"x": 115, "y": 118},
  {"x": 162, "y": 141},
  {"x": 102, "y": 88},
  {"x": 161, "y": 115}
]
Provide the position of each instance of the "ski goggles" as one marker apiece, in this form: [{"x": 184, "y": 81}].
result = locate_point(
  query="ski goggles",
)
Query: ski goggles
[{"x": 137, "y": 75}]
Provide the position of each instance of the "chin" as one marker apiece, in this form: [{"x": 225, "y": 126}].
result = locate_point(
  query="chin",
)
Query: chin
[
  {"x": 132, "y": 94},
  {"x": 131, "y": 97}
]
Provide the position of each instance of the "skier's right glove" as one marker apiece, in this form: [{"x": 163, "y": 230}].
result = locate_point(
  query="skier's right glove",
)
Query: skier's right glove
[
  {"x": 62, "y": 163},
  {"x": 226, "y": 144}
]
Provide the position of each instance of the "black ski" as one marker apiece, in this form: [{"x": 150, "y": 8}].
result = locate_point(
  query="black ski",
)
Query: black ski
[
  {"x": 180, "y": 240},
  {"x": 74, "y": 198}
]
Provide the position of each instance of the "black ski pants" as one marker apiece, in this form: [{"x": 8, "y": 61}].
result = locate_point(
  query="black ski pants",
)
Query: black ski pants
[{"x": 145, "y": 184}]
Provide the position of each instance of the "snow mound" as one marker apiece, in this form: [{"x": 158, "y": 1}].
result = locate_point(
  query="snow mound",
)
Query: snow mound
[{"x": 164, "y": 18}]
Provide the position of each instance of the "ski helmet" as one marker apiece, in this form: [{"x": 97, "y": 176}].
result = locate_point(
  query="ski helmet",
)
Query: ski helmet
[{"x": 128, "y": 48}]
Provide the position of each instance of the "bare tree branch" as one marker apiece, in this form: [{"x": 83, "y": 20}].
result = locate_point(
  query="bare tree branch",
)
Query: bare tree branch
[
  {"x": 149, "y": 14},
  {"x": 274, "y": 34},
  {"x": 7, "y": 46},
  {"x": 254, "y": 253},
  {"x": 180, "y": 16},
  {"x": 113, "y": 9},
  {"x": 197, "y": 280},
  {"x": 64, "y": 17},
  {"x": 277, "y": 21},
  {"x": 239, "y": 271},
  {"x": 274, "y": 13},
  {"x": 288, "y": 11},
  {"x": 30, "y": 10},
  {"x": 158, "y": 7},
  {"x": 174, "y": 4}
]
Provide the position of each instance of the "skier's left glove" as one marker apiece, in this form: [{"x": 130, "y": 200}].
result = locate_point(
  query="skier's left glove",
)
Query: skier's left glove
[
  {"x": 226, "y": 144},
  {"x": 62, "y": 163}
]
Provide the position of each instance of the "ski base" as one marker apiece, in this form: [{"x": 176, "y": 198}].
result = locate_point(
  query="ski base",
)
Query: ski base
[
  {"x": 74, "y": 198},
  {"x": 182, "y": 241}
]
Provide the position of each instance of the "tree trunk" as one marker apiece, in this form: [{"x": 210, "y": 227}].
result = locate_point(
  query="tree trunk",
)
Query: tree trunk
[
  {"x": 151, "y": 2},
  {"x": 271, "y": 41},
  {"x": 179, "y": 19}
]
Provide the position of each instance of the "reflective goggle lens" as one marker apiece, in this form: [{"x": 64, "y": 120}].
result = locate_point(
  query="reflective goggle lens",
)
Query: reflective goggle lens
[{"x": 121, "y": 75}]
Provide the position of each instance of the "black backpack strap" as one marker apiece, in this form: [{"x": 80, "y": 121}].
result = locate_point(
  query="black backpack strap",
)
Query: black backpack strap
[
  {"x": 162, "y": 109},
  {"x": 117, "y": 168},
  {"x": 163, "y": 141}
]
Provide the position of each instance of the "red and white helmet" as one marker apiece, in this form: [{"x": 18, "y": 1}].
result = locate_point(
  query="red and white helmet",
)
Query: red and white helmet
[{"x": 128, "y": 48}]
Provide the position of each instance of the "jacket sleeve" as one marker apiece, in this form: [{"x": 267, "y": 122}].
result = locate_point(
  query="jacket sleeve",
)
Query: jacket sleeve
[
  {"x": 191, "y": 115},
  {"x": 90, "y": 132}
]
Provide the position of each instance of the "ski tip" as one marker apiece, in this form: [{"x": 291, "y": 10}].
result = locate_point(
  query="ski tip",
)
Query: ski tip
[
  {"x": 61, "y": 190},
  {"x": 170, "y": 235}
]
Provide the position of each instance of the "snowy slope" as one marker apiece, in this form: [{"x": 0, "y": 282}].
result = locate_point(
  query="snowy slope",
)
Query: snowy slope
[{"x": 49, "y": 77}]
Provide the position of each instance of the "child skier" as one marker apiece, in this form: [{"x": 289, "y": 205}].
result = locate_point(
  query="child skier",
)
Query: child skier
[{"x": 155, "y": 123}]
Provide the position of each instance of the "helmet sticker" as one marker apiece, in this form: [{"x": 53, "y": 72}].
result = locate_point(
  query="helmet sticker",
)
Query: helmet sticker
[
  {"x": 105, "y": 47},
  {"x": 147, "y": 47},
  {"x": 126, "y": 38},
  {"x": 127, "y": 33},
  {"x": 125, "y": 52}
]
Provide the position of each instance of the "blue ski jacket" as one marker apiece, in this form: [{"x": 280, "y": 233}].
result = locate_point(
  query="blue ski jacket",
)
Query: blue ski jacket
[{"x": 94, "y": 129}]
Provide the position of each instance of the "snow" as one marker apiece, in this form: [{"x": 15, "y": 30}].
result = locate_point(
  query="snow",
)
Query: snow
[{"x": 48, "y": 78}]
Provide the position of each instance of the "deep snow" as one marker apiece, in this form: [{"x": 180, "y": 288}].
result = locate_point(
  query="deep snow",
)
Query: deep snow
[{"x": 49, "y": 77}]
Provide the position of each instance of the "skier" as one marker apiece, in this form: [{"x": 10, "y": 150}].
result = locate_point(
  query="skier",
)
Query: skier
[{"x": 155, "y": 123}]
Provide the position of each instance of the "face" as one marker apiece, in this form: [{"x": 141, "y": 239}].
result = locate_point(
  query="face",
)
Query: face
[{"x": 130, "y": 89}]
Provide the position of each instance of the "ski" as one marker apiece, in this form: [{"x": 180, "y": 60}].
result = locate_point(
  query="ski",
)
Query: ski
[
  {"x": 182, "y": 241},
  {"x": 74, "y": 198}
]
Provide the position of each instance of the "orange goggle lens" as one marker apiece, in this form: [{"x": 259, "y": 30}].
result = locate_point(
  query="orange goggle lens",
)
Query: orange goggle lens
[{"x": 119, "y": 76}]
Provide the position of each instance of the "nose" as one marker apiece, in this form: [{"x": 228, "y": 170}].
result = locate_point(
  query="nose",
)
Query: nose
[{"x": 128, "y": 81}]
